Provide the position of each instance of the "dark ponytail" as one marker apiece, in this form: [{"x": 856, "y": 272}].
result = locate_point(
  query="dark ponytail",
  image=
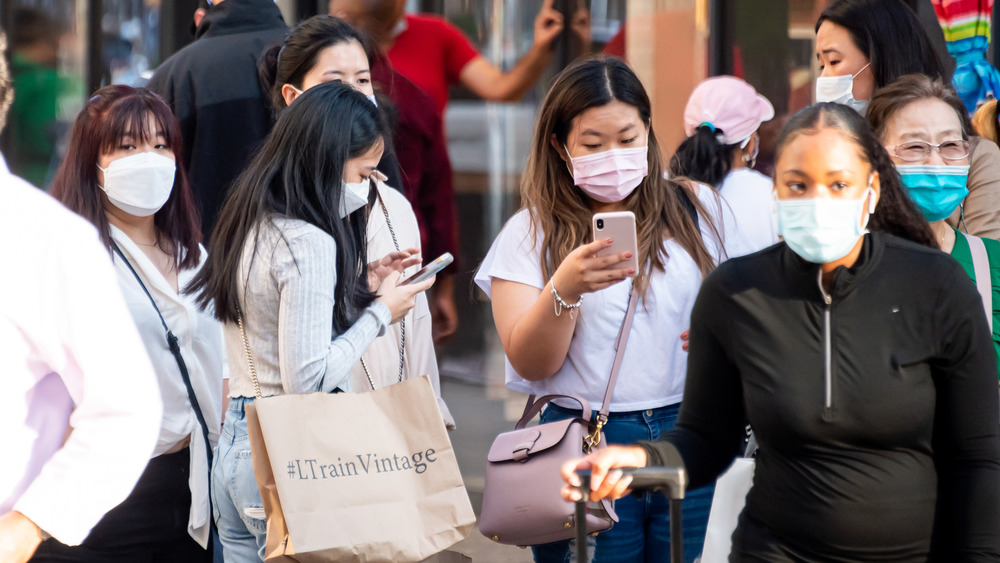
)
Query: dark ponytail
[
  {"x": 703, "y": 157},
  {"x": 289, "y": 61}
]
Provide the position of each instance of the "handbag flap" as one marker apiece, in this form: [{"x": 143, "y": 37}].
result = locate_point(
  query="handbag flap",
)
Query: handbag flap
[{"x": 518, "y": 445}]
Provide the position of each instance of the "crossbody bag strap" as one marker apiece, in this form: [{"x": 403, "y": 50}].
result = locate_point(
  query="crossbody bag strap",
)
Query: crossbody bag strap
[
  {"x": 175, "y": 349},
  {"x": 248, "y": 355},
  {"x": 981, "y": 267}
]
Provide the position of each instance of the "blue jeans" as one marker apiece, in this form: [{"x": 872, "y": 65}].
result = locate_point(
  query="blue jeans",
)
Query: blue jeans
[
  {"x": 642, "y": 534},
  {"x": 239, "y": 512}
]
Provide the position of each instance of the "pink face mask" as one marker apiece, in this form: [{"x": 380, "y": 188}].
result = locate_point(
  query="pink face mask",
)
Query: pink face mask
[{"x": 612, "y": 175}]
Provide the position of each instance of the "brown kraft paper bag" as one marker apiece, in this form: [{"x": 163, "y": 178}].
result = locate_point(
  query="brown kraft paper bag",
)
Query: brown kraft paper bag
[{"x": 357, "y": 477}]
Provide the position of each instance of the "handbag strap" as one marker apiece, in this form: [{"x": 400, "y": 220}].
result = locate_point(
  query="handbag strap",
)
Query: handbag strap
[
  {"x": 175, "y": 350},
  {"x": 981, "y": 267},
  {"x": 620, "y": 343},
  {"x": 248, "y": 355}
]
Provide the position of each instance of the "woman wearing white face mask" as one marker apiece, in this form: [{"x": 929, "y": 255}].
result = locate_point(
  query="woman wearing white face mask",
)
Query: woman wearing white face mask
[
  {"x": 288, "y": 278},
  {"x": 864, "y": 45},
  {"x": 558, "y": 308},
  {"x": 860, "y": 358},
  {"x": 323, "y": 49},
  {"x": 120, "y": 174},
  {"x": 924, "y": 127}
]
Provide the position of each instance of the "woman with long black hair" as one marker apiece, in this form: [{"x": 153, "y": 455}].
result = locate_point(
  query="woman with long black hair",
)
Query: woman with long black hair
[{"x": 287, "y": 272}]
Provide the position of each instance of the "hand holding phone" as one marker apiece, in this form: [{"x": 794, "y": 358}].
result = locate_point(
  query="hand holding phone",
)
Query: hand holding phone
[{"x": 428, "y": 271}]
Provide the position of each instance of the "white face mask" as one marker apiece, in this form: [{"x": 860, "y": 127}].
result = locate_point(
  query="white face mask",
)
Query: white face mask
[
  {"x": 840, "y": 90},
  {"x": 355, "y": 197},
  {"x": 139, "y": 184},
  {"x": 823, "y": 230}
]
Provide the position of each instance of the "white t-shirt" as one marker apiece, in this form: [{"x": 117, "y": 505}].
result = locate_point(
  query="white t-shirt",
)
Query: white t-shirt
[
  {"x": 749, "y": 193},
  {"x": 654, "y": 366}
]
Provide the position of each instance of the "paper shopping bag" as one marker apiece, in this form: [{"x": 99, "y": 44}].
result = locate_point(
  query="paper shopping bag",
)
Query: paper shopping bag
[
  {"x": 730, "y": 496},
  {"x": 357, "y": 477}
]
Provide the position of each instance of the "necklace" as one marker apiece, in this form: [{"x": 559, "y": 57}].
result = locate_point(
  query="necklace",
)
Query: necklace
[{"x": 402, "y": 323}]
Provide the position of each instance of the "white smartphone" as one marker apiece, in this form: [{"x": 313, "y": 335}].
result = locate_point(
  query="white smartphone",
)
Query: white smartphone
[
  {"x": 425, "y": 273},
  {"x": 619, "y": 226}
]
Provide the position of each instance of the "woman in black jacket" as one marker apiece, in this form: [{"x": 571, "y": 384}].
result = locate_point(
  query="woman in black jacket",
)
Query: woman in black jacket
[{"x": 863, "y": 362}]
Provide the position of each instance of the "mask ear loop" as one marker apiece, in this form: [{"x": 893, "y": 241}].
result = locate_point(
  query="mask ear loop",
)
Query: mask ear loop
[{"x": 872, "y": 198}]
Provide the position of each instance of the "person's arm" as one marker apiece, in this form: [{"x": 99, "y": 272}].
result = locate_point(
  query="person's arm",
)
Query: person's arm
[
  {"x": 981, "y": 205},
  {"x": 492, "y": 84},
  {"x": 104, "y": 366},
  {"x": 967, "y": 441},
  {"x": 535, "y": 339},
  {"x": 311, "y": 357}
]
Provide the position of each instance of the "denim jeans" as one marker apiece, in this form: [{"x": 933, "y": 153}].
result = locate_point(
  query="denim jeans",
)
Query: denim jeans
[
  {"x": 239, "y": 512},
  {"x": 642, "y": 534}
]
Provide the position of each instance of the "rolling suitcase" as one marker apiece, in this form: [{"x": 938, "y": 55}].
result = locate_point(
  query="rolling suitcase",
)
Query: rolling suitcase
[{"x": 668, "y": 481}]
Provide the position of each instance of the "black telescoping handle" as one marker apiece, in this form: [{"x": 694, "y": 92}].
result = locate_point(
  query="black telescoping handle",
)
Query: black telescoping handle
[{"x": 668, "y": 481}]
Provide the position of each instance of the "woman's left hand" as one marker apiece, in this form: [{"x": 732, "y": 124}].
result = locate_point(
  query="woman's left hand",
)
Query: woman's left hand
[
  {"x": 392, "y": 262},
  {"x": 606, "y": 480}
]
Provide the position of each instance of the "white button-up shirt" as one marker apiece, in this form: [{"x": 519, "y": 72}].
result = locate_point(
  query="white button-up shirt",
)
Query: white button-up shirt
[
  {"x": 70, "y": 356},
  {"x": 199, "y": 336}
]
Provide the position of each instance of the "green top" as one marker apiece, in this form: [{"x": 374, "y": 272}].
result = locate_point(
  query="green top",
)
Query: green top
[{"x": 963, "y": 254}]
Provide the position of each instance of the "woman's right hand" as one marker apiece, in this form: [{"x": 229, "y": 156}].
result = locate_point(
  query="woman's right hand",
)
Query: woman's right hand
[
  {"x": 400, "y": 299},
  {"x": 584, "y": 272}
]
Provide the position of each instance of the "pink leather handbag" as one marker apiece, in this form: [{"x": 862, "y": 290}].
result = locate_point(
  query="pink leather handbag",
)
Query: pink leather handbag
[{"x": 522, "y": 504}]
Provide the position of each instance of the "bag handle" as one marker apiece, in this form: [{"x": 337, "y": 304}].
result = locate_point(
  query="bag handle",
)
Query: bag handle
[{"x": 535, "y": 407}]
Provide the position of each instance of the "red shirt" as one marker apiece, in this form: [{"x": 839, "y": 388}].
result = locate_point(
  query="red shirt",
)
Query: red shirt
[{"x": 431, "y": 53}]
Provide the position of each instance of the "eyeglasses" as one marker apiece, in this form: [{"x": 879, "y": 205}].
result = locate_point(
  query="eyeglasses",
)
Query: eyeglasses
[{"x": 915, "y": 151}]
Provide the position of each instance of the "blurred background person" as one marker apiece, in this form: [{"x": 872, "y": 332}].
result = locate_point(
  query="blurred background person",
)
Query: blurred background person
[
  {"x": 80, "y": 412},
  {"x": 144, "y": 211},
  {"x": 721, "y": 120},
  {"x": 213, "y": 88},
  {"x": 863, "y": 45}
]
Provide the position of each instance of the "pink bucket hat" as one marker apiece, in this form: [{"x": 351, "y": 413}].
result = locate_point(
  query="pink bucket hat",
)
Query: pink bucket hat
[{"x": 728, "y": 105}]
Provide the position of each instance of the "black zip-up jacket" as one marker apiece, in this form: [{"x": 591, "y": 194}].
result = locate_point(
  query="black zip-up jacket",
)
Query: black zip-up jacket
[
  {"x": 892, "y": 452},
  {"x": 213, "y": 88}
]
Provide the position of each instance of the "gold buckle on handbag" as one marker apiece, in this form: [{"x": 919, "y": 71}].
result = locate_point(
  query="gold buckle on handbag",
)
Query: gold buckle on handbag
[{"x": 594, "y": 439}]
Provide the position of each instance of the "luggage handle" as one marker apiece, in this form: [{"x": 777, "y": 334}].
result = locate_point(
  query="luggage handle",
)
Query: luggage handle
[{"x": 669, "y": 481}]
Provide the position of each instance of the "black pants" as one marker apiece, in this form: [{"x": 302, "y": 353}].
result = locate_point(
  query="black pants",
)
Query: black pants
[{"x": 150, "y": 526}]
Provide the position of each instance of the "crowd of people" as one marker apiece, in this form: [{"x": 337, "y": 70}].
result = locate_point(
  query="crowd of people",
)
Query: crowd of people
[{"x": 240, "y": 229}]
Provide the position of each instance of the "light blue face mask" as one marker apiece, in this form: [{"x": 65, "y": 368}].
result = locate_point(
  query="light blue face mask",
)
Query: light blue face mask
[
  {"x": 937, "y": 190},
  {"x": 822, "y": 230}
]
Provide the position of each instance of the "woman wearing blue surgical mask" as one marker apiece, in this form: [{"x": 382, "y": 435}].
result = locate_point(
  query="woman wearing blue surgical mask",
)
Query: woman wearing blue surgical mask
[
  {"x": 120, "y": 174},
  {"x": 288, "y": 278},
  {"x": 558, "y": 308},
  {"x": 864, "y": 45},
  {"x": 863, "y": 362},
  {"x": 924, "y": 127}
]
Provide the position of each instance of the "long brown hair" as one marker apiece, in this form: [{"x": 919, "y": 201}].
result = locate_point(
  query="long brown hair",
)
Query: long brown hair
[
  {"x": 112, "y": 113},
  {"x": 562, "y": 211}
]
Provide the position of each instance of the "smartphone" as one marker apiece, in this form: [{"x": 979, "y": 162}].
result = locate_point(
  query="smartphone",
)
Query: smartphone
[
  {"x": 425, "y": 273},
  {"x": 619, "y": 226}
]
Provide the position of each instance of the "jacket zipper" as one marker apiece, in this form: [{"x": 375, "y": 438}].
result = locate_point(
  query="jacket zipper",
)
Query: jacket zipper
[{"x": 828, "y": 356}]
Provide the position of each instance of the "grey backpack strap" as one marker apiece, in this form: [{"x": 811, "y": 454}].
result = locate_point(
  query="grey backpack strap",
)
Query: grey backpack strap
[{"x": 984, "y": 282}]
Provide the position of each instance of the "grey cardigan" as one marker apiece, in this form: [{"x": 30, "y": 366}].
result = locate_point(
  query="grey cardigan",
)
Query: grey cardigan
[{"x": 287, "y": 296}]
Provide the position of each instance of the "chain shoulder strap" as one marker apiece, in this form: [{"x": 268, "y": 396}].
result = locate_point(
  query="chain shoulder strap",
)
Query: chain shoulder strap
[
  {"x": 249, "y": 356},
  {"x": 402, "y": 323}
]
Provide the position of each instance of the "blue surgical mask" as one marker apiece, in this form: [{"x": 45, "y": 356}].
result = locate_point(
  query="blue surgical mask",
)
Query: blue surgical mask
[
  {"x": 937, "y": 190},
  {"x": 822, "y": 230}
]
